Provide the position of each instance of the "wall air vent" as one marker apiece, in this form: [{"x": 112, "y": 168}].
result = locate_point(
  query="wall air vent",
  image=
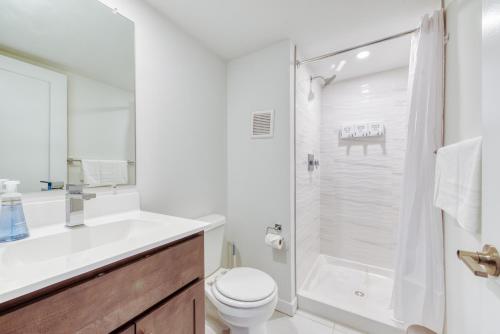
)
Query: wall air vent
[{"x": 262, "y": 124}]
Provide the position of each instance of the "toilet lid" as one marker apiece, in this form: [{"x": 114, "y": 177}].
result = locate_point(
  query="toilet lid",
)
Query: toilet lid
[{"x": 245, "y": 284}]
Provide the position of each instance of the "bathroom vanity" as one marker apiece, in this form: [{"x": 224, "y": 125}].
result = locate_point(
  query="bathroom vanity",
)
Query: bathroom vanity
[{"x": 133, "y": 272}]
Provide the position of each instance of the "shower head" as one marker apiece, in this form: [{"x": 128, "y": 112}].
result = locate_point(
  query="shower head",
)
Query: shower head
[
  {"x": 326, "y": 81},
  {"x": 329, "y": 80}
]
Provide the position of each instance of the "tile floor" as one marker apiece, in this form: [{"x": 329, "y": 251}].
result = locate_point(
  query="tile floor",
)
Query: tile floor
[{"x": 301, "y": 323}]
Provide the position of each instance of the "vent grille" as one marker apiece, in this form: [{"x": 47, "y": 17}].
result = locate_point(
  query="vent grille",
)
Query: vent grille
[{"x": 262, "y": 124}]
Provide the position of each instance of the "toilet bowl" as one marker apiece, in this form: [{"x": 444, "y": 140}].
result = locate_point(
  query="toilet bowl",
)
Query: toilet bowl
[{"x": 244, "y": 298}]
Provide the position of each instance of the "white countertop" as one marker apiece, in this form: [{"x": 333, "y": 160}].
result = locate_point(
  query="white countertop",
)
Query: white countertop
[{"x": 55, "y": 253}]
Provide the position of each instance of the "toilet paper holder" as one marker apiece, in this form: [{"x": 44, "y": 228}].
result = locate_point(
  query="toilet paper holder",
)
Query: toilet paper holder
[{"x": 276, "y": 228}]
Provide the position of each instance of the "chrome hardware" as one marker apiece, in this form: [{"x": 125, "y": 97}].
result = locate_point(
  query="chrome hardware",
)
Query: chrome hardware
[
  {"x": 312, "y": 163},
  {"x": 482, "y": 264},
  {"x": 276, "y": 228},
  {"x": 75, "y": 198},
  {"x": 72, "y": 161}
]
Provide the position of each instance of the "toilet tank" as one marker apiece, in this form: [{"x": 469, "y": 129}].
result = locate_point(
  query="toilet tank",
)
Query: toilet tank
[{"x": 214, "y": 242}]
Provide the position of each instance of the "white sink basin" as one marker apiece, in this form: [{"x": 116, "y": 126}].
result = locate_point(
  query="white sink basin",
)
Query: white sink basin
[
  {"x": 73, "y": 240},
  {"x": 55, "y": 253}
]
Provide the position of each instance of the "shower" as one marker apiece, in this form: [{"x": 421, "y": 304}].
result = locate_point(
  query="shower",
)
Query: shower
[
  {"x": 345, "y": 242},
  {"x": 326, "y": 82}
]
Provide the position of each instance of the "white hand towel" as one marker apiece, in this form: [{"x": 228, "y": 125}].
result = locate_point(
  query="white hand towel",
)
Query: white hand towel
[
  {"x": 91, "y": 170},
  {"x": 458, "y": 182},
  {"x": 104, "y": 172},
  {"x": 114, "y": 172}
]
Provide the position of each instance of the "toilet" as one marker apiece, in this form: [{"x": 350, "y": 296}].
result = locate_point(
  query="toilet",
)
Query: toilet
[{"x": 244, "y": 298}]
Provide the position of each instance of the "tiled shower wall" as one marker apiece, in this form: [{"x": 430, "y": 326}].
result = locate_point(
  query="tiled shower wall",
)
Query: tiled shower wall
[
  {"x": 360, "y": 179},
  {"x": 308, "y": 118}
]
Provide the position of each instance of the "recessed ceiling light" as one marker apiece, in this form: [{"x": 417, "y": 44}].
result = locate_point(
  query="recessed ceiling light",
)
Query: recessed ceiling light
[
  {"x": 363, "y": 55},
  {"x": 332, "y": 66},
  {"x": 341, "y": 65}
]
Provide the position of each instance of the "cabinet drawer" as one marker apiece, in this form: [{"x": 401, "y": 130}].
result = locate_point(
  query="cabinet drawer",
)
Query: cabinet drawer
[
  {"x": 183, "y": 314},
  {"x": 104, "y": 303}
]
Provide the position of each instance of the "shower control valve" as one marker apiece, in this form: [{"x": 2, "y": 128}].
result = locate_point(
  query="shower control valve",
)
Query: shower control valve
[{"x": 312, "y": 163}]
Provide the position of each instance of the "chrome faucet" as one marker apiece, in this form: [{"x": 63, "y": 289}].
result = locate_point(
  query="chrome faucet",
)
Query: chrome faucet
[{"x": 75, "y": 198}]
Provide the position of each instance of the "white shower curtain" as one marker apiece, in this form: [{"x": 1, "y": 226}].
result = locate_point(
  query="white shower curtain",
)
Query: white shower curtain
[{"x": 419, "y": 294}]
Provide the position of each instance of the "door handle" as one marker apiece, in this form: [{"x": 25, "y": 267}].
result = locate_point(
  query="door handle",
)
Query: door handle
[{"x": 482, "y": 264}]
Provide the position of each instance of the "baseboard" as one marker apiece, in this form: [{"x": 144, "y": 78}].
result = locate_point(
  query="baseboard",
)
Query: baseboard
[{"x": 289, "y": 308}]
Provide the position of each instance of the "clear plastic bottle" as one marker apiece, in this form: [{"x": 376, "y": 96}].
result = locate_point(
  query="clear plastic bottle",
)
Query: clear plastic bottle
[{"x": 12, "y": 221}]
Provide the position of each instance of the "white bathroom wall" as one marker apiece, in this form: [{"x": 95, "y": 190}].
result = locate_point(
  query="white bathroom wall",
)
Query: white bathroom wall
[
  {"x": 181, "y": 117},
  {"x": 307, "y": 187},
  {"x": 462, "y": 121},
  {"x": 361, "y": 178},
  {"x": 259, "y": 170}
]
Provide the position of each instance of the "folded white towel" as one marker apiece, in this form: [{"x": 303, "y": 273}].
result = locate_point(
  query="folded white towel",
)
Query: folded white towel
[
  {"x": 91, "y": 170},
  {"x": 114, "y": 172},
  {"x": 104, "y": 172},
  {"x": 458, "y": 183}
]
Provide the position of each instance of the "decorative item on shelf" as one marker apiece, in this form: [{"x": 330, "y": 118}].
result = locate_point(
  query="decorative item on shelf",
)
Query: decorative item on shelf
[
  {"x": 376, "y": 129},
  {"x": 273, "y": 236},
  {"x": 361, "y": 130},
  {"x": 347, "y": 131}
]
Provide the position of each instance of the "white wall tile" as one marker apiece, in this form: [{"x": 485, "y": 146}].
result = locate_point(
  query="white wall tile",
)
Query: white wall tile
[
  {"x": 361, "y": 178},
  {"x": 308, "y": 126}
]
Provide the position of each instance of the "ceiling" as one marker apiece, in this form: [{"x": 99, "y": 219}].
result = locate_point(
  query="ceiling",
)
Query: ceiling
[
  {"x": 84, "y": 37},
  {"x": 233, "y": 28}
]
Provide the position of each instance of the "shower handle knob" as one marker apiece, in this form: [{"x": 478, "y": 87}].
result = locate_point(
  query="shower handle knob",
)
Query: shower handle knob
[{"x": 482, "y": 264}]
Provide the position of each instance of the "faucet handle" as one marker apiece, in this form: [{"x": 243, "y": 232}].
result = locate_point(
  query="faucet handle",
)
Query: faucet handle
[{"x": 74, "y": 188}]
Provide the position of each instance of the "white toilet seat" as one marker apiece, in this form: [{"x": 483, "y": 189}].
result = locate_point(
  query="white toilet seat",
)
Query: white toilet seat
[
  {"x": 244, "y": 287},
  {"x": 241, "y": 304}
]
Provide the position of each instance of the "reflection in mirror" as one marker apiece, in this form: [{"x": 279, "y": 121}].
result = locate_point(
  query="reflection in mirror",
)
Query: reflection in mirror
[{"x": 67, "y": 94}]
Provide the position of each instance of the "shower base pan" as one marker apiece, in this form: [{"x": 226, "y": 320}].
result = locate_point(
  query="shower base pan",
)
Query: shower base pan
[{"x": 350, "y": 293}]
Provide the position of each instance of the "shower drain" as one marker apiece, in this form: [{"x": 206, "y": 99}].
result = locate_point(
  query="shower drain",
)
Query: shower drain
[{"x": 359, "y": 293}]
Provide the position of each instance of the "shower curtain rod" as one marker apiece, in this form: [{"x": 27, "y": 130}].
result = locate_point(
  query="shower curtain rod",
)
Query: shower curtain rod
[{"x": 331, "y": 54}]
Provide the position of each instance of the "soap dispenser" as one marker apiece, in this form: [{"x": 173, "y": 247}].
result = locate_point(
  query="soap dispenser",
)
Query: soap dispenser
[{"x": 12, "y": 221}]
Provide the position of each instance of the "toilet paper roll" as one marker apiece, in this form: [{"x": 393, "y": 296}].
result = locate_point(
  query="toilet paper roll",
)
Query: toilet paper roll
[{"x": 274, "y": 240}]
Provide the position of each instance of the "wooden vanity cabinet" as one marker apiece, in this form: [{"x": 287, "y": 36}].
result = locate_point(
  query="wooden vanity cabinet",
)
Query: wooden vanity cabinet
[
  {"x": 129, "y": 329},
  {"x": 183, "y": 314},
  {"x": 157, "y": 292}
]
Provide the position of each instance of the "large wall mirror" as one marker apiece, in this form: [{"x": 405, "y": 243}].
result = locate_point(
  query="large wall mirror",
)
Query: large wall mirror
[{"x": 67, "y": 94}]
